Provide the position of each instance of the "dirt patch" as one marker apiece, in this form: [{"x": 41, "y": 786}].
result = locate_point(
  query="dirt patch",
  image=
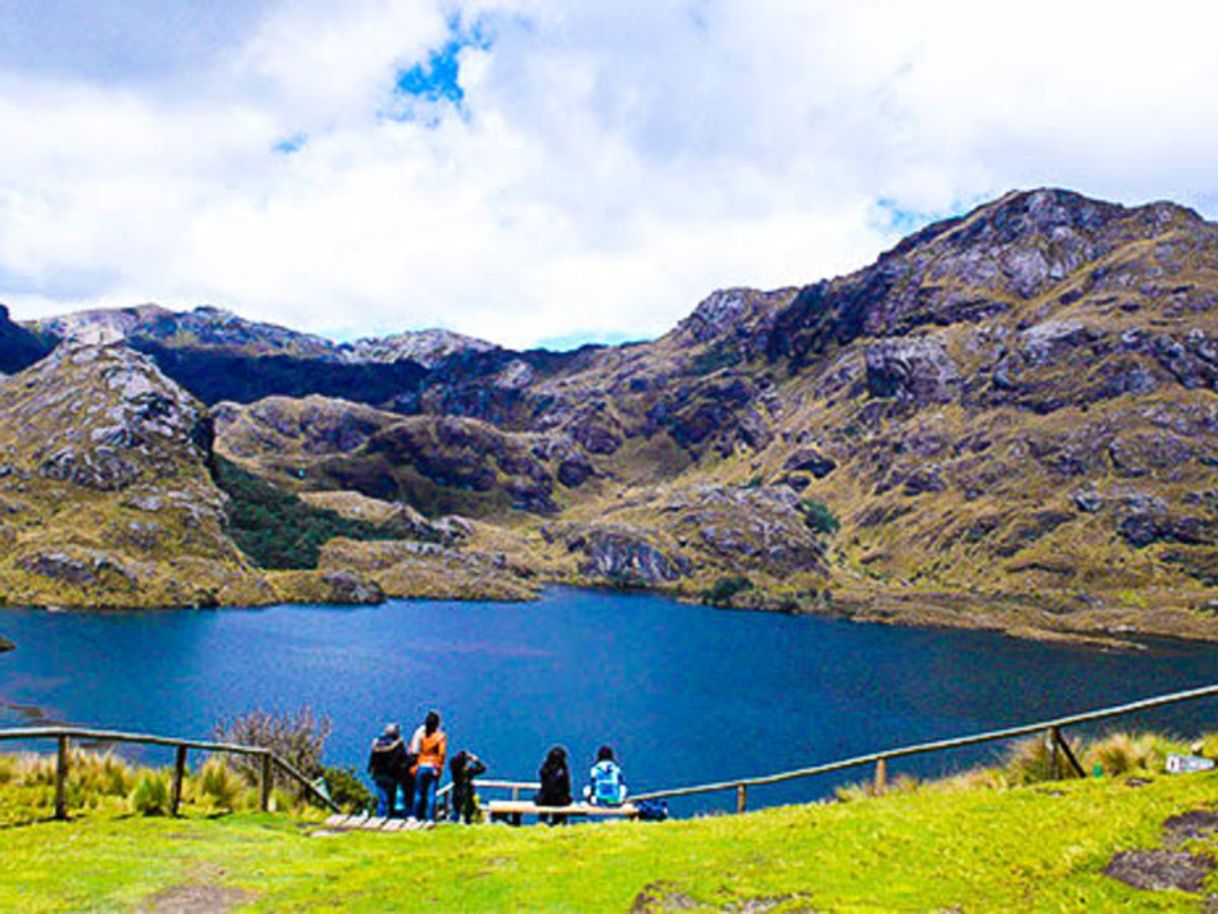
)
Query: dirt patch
[
  {"x": 657, "y": 897},
  {"x": 763, "y": 905},
  {"x": 1189, "y": 826},
  {"x": 194, "y": 898},
  {"x": 1157, "y": 870}
]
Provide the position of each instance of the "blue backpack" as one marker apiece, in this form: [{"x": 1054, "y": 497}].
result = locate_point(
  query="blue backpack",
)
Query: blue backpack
[
  {"x": 652, "y": 810},
  {"x": 608, "y": 786}
]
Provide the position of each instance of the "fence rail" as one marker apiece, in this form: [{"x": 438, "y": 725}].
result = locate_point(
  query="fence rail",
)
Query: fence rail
[
  {"x": 1059, "y": 749},
  {"x": 63, "y": 736}
]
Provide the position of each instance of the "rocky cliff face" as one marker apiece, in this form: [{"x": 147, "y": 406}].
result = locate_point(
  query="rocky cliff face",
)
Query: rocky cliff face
[{"x": 426, "y": 347}]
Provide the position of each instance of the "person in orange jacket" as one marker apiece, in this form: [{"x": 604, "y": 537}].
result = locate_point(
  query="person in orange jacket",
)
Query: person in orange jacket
[{"x": 430, "y": 746}]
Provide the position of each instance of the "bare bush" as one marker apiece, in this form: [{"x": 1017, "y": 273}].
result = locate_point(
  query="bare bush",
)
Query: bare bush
[{"x": 299, "y": 737}]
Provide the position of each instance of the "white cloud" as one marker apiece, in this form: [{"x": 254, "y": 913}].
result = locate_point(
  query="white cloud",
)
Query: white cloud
[{"x": 609, "y": 165}]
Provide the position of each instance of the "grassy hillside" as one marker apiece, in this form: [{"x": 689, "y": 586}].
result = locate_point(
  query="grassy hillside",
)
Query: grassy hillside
[{"x": 1041, "y": 848}]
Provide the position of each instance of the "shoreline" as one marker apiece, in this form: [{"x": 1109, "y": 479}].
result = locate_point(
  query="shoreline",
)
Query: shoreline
[{"x": 1015, "y": 616}]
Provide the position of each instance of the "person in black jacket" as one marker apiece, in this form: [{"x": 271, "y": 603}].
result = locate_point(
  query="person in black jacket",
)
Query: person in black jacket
[
  {"x": 464, "y": 767},
  {"x": 555, "y": 779},
  {"x": 386, "y": 764}
]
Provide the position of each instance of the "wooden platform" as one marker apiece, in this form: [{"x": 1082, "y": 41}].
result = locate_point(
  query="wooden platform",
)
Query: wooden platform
[
  {"x": 514, "y": 810},
  {"x": 338, "y": 823}
]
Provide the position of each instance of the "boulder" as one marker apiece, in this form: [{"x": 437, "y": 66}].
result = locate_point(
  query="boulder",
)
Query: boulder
[
  {"x": 1087, "y": 500},
  {"x": 348, "y": 587},
  {"x": 625, "y": 558},
  {"x": 1046, "y": 342},
  {"x": 810, "y": 460},
  {"x": 916, "y": 370}
]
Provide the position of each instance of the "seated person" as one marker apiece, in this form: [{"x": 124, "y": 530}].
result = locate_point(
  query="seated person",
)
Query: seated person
[
  {"x": 555, "y": 779},
  {"x": 607, "y": 785}
]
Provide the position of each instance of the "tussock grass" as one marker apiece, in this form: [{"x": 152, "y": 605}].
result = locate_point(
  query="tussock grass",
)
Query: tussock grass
[
  {"x": 105, "y": 784},
  {"x": 1129, "y": 753},
  {"x": 151, "y": 794},
  {"x": 1117, "y": 754},
  {"x": 218, "y": 786}
]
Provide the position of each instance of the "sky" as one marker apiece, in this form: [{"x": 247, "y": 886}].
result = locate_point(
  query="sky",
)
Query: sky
[{"x": 550, "y": 171}]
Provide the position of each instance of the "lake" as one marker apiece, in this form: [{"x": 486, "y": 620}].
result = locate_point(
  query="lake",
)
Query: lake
[{"x": 685, "y": 694}]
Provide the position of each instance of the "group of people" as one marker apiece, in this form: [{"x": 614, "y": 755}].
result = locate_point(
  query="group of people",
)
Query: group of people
[
  {"x": 606, "y": 784},
  {"x": 414, "y": 769}
]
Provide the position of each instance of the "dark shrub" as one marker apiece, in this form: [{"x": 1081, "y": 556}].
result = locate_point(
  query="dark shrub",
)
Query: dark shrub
[
  {"x": 819, "y": 518},
  {"x": 278, "y": 530},
  {"x": 348, "y": 791},
  {"x": 726, "y": 588}
]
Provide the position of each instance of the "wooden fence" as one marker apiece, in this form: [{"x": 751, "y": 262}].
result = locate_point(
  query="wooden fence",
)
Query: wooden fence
[
  {"x": 267, "y": 761},
  {"x": 1061, "y": 756},
  {"x": 1060, "y": 753}
]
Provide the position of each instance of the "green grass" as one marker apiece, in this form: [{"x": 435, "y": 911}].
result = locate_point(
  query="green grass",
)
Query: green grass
[{"x": 1036, "y": 848}]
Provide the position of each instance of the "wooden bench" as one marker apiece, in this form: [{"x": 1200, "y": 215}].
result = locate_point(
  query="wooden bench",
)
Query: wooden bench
[{"x": 513, "y": 811}]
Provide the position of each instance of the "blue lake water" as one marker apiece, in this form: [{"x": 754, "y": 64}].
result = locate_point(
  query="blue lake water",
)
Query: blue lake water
[{"x": 685, "y": 694}]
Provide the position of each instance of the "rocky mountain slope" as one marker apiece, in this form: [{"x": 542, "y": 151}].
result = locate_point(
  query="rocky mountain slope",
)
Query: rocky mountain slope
[
  {"x": 104, "y": 496},
  {"x": 1008, "y": 419},
  {"x": 109, "y": 497}
]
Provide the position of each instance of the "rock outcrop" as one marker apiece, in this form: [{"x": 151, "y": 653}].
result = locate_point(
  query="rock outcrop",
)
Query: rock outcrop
[{"x": 104, "y": 469}]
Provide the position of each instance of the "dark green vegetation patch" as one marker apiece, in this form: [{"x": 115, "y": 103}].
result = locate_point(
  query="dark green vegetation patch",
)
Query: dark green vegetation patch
[{"x": 277, "y": 530}]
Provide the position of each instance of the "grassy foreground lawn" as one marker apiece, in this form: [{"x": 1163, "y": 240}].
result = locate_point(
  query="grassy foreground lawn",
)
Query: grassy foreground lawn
[{"x": 1031, "y": 848}]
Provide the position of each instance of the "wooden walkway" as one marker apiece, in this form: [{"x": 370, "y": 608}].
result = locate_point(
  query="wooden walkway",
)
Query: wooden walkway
[{"x": 341, "y": 823}]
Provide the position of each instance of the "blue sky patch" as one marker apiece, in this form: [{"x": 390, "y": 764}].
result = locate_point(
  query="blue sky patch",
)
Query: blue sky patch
[
  {"x": 291, "y": 144},
  {"x": 438, "y": 79},
  {"x": 895, "y": 218},
  {"x": 569, "y": 341}
]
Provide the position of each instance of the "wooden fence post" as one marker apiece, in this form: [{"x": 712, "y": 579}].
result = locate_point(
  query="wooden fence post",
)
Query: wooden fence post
[
  {"x": 61, "y": 779},
  {"x": 741, "y": 797},
  {"x": 179, "y": 771},
  {"x": 264, "y": 783},
  {"x": 1051, "y": 746},
  {"x": 881, "y": 775},
  {"x": 1075, "y": 764}
]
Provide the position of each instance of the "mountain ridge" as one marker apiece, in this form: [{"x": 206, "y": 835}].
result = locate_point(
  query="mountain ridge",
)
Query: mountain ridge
[{"x": 1008, "y": 419}]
